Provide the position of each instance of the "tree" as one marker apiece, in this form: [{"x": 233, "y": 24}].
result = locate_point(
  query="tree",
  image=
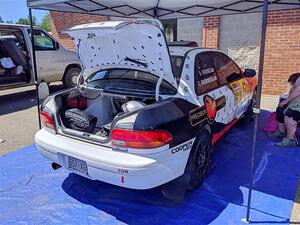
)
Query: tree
[
  {"x": 25, "y": 21},
  {"x": 46, "y": 23},
  {"x": 1, "y": 20}
]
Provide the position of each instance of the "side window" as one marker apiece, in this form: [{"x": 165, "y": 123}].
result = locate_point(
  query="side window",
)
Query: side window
[
  {"x": 42, "y": 42},
  {"x": 226, "y": 69},
  {"x": 205, "y": 74}
]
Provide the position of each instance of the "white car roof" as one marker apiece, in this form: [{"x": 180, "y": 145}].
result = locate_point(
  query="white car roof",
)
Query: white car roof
[{"x": 181, "y": 50}]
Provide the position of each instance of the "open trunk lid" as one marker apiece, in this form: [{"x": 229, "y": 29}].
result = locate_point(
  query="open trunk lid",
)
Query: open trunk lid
[{"x": 133, "y": 45}]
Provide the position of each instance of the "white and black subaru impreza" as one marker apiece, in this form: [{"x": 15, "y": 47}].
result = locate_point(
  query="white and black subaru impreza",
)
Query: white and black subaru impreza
[{"x": 143, "y": 114}]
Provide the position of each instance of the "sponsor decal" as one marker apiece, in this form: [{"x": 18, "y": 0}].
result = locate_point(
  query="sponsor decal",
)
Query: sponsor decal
[
  {"x": 122, "y": 171},
  {"x": 239, "y": 90},
  {"x": 197, "y": 115},
  {"x": 221, "y": 102},
  {"x": 208, "y": 80},
  {"x": 208, "y": 111},
  {"x": 207, "y": 71},
  {"x": 119, "y": 149},
  {"x": 213, "y": 105},
  {"x": 183, "y": 147}
]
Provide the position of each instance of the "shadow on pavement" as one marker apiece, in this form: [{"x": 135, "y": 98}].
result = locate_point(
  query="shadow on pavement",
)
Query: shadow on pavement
[
  {"x": 18, "y": 101},
  {"x": 222, "y": 197}
]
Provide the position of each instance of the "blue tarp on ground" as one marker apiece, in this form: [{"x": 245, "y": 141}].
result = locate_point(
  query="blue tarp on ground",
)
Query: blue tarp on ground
[{"x": 32, "y": 193}]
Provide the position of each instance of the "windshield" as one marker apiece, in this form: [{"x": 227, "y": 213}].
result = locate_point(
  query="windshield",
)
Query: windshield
[{"x": 128, "y": 81}]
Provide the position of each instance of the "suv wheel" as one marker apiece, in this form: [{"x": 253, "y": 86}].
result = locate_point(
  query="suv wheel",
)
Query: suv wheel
[{"x": 71, "y": 76}]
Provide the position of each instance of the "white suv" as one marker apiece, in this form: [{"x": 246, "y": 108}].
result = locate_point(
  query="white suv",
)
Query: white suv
[{"x": 54, "y": 62}]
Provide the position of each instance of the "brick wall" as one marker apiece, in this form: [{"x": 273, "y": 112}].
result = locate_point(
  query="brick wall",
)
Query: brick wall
[
  {"x": 61, "y": 21},
  {"x": 211, "y": 27},
  {"x": 282, "y": 54}
]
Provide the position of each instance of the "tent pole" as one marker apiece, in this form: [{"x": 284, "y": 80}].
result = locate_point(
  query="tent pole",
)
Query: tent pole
[
  {"x": 258, "y": 101},
  {"x": 34, "y": 67},
  {"x": 155, "y": 13}
]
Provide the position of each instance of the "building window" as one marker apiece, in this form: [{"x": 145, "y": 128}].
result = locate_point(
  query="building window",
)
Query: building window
[{"x": 170, "y": 29}]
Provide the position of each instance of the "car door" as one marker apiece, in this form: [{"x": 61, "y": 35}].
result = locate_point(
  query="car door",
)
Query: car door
[
  {"x": 49, "y": 58},
  {"x": 217, "y": 98},
  {"x": 230, "y": 74}
]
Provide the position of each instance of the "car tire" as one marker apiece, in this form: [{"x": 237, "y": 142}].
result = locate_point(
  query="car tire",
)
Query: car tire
[
  {"x": 199, "y": 160},
  {"x": 71, "y": 76},
  {"x": 249, "y": 115}
]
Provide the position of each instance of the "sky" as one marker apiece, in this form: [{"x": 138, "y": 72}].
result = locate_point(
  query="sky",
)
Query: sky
[{"x": 15, "y": 9}]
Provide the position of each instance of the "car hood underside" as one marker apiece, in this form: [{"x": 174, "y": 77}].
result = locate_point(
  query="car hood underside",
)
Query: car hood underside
[{"x": 116, "y": 44}]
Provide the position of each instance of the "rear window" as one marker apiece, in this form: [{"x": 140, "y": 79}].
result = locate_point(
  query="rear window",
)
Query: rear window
[{"x": 125, "y": 80}]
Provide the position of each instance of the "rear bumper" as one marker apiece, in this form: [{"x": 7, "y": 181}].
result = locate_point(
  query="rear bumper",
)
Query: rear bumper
[{"x": 118, "y": 168}]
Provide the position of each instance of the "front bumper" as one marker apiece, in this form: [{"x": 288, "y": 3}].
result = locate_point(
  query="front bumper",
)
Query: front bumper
[{"x": 118, "y": 168}]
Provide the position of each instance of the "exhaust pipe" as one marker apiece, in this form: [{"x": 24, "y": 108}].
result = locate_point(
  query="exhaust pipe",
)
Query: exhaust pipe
[{"x": 55, "y": 166}]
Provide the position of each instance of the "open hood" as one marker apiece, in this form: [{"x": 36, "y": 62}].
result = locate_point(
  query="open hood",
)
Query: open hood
[{"x": 133, "y": 45}]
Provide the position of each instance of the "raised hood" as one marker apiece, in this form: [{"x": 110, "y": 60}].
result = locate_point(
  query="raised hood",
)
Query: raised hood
[{"x": 115, "y": 44}]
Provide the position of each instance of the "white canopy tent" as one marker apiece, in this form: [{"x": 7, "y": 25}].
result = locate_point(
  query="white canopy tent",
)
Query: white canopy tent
[
  {"x": 162, "y": 9},
  {"x": 173, "y": 9}
]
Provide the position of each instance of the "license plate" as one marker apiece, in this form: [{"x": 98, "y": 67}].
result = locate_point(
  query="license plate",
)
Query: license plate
[{"x": 77, "y": 164}]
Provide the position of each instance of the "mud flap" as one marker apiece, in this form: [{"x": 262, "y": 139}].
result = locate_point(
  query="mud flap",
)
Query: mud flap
[{"x": 175, "y": 190}]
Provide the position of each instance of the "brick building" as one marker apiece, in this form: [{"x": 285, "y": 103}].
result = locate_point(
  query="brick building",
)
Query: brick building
[
  {"x": 62, "y": 21},
  {"x": 236, "y": 35}
]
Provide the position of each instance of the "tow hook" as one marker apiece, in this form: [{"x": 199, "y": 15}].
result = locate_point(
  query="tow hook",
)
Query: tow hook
[{"x": 55, "y": 166}]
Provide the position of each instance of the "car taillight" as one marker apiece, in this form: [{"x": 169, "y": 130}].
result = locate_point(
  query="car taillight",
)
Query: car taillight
[
  {"x": 140, "y": 139},
  {"x": 46, "y": 120}
]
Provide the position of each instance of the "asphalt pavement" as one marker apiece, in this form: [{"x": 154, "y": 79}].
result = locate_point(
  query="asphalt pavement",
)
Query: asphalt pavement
[{"x": 18, "y": 117}]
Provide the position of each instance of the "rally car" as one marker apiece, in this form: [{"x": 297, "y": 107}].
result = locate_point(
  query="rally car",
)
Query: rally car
[{"x": 143, "y": 113}]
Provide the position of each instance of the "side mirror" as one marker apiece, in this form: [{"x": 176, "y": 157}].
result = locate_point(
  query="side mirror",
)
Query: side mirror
[
  {"x": 43, "y": 90},
  {"x": 56, "y": 45},
  {"x": 249, "y": 73}
]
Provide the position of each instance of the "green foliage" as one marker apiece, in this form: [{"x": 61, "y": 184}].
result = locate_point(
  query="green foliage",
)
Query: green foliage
[
  {"x": 25, "y": 21},
  {"x": 46, "y": 23}
]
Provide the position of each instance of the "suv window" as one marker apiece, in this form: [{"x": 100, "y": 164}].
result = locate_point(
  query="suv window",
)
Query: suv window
[
  {"x": 205, "y": 75},
  {"x": 42, "y": 42},
  {"x": 226, "y": 69}
]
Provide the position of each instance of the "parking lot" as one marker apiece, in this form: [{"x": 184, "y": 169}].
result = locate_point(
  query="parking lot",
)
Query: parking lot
[{"x": 18, "y": 117}]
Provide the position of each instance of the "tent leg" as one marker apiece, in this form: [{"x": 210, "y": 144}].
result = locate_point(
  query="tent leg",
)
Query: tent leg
[
  {"x": 258, "y": 100},
  {"x": 34, "y": 67}
]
